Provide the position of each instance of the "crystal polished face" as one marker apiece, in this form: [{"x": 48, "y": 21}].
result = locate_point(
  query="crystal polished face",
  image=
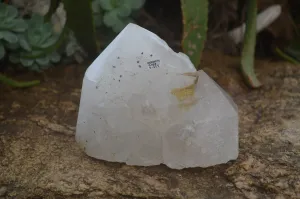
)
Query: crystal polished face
[{"x": 138, "y": 107}]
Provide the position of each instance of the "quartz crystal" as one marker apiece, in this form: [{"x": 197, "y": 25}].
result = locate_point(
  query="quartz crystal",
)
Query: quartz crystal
[{"x": 142, "y": 104}]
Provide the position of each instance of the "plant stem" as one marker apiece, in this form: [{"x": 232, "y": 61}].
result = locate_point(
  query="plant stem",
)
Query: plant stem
[
  {"x": 285, "y": 56},
  {"x": 248, "y": 54},
  {"x": 17, "y": 84}
]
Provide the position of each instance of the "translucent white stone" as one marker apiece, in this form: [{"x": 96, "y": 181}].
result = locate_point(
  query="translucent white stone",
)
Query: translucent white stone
[{"x": 130, "y": 110}]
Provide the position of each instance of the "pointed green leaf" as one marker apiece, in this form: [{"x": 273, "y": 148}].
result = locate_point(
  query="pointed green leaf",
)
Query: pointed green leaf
[
  {"x": 248, "y": 54},
  {"x": 82, "y": 24},
  {"x": 195, "y": 19}
]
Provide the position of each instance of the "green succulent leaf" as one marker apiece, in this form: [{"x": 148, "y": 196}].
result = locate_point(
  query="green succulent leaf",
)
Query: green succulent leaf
[
  {"x": 24, "y": 44},
  {"x": 96, "y": 7},
  {"x": 35, "y": 67},
  {"x": 8, "y": 36},
  {"x": 19, "y": 25},
  {"x": 14, "y": 59},
  {"x": 26, "y": 62},
  {"x": 10, "y": 12},
  {"x": 116, "y": 12},
  {"x": 36, "y": 20},
  {"x": 2, "y": 51},
  {"x": 98, "y": 20},
  {"x": 136, "y": 4},
  {"x": 110, "y": 18},
  {"x": 55, "y": 57},
  {"x": 50, "y": 41},
  {"x": 124, "y": 11},
  {"x": 43, "y": 61},
  {"x": 12, "y": 46},
  {"x": 119, "y": 25},
  {"x": 106, "y": 4}
]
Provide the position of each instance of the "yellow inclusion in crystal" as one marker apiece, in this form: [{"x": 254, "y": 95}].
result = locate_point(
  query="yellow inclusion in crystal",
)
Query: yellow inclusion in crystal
[{"x": 186, "y": 94}]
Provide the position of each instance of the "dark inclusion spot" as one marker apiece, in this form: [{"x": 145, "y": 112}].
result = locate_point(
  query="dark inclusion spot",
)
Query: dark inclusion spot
[
  {"x": 114, "y": 79},
  {"x": 105, "y": 92},
  {"x": 119, "y": 80},
  {"x": 97, "y": 87},
  {"x": 142, "y": 53},
  {"x": 94, "y": 131},
  {"x": 85, "y": 140},
  {"x": 114, "y": 66},
  {"x": 151, "y": 55},
  {"x": 138, "y": 62},
  {"x": 140, "y": 66},
  {"x": 120, "y": 75},
  {"x": 118, "y": 57}
]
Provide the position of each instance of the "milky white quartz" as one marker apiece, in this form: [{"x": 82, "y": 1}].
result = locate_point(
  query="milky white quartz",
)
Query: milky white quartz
[{"x": 132, "y": 111}]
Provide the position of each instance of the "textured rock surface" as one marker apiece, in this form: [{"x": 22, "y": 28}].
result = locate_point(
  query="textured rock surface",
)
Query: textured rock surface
[
  {"x": 137, "y": 107},
  {"x": 39, "y": 157}
]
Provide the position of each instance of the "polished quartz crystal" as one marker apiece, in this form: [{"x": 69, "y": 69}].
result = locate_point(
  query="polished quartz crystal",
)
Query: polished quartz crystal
[{"x": 144, "y": 104}]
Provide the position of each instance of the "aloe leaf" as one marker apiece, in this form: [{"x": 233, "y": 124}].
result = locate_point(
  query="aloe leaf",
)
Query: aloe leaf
[
  {"x": 248, "y": 54},
  {"x": 2, "y": 51},
  {"x": 82, "y": 24},
  {"x": 195, "y": 19}
]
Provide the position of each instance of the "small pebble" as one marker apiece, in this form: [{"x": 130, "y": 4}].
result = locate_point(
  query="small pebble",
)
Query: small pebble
[{"x": 3, "y": 190}]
